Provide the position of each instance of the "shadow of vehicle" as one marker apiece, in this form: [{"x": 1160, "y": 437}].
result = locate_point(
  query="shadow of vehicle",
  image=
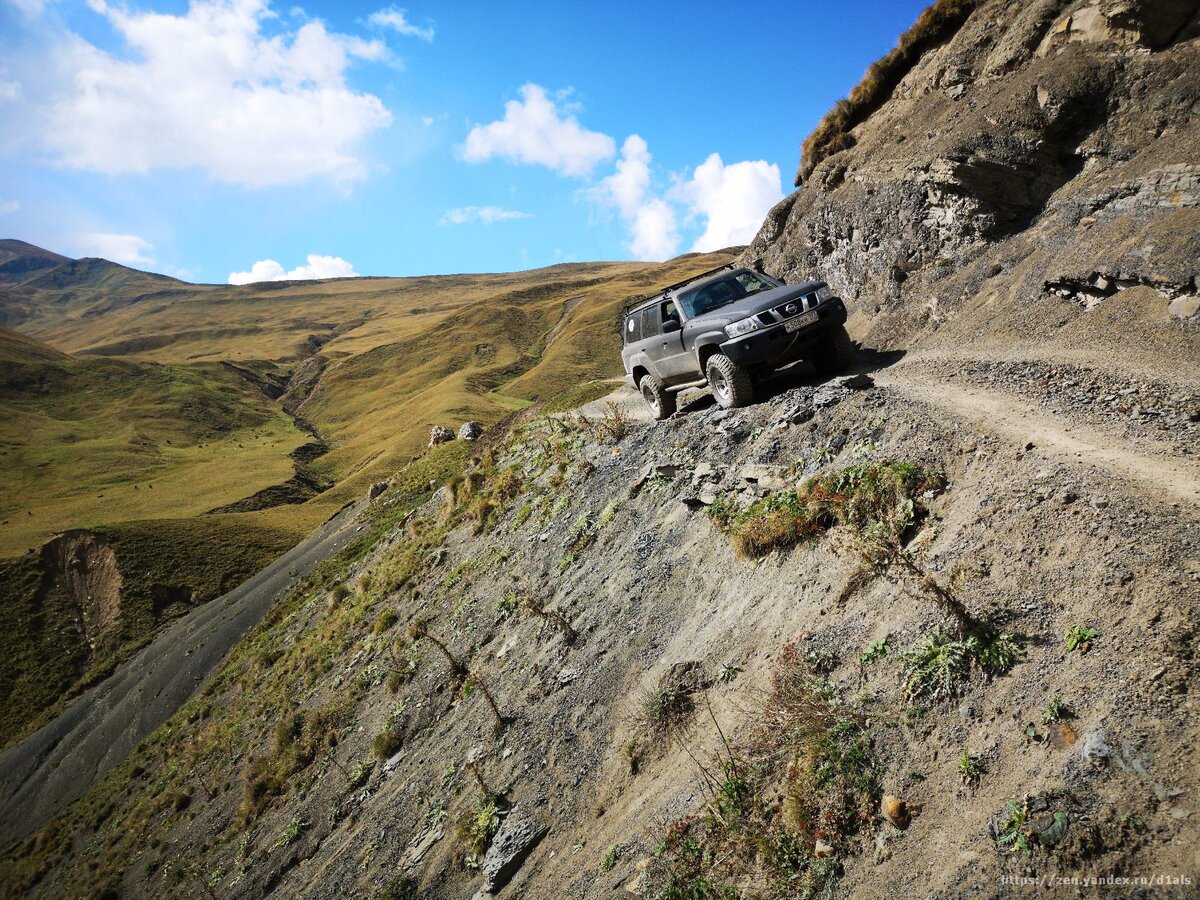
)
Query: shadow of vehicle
[{"x": 801, "y": 374}]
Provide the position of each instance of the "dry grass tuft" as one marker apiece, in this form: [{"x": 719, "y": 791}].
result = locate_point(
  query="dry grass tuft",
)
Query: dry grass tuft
[
  {"x": 783, "y": 808},
  {"x": 937, "y": 24}
]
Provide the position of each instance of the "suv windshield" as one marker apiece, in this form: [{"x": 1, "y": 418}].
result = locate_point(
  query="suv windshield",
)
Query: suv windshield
[{"x": 722, "y": 292}]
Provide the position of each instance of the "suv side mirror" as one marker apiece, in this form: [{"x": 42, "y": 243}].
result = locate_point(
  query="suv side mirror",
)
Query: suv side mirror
[{"x": 670, "y": 326}]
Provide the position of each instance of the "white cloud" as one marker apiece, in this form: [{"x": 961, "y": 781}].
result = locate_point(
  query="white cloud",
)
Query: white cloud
[
  {"x": 397, "y": 20},
  {"x": 127, "y": 249},
  {"x": 210, "y": 90},
  {"x": 536, "y": 131},
  {"x": 486, "y": 215},
  {"x": 651, "y": 220},
  {"x": 31, "y": 8},
  {"x": 9, "y": 206},
  {"x": 318, "y": 267},
  {"x": 732, "y": 199}
]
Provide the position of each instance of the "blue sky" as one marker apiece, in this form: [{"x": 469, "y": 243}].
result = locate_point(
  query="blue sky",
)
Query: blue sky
[{"x": 275, "y": 140}]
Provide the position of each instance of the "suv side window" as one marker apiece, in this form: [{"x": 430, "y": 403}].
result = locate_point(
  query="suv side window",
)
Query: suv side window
[
  {"x": 669, "y": 311},
  {"x": 651, "y": 323},
  {"x": 633, "y": 328}
]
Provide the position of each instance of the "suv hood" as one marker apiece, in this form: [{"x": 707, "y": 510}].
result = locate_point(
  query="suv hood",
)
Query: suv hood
[{"x": 756, "y": 303}]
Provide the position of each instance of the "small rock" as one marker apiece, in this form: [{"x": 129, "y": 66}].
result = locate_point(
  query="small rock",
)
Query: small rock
[
  {"x": 1184, "y": 307},
  {"x": 376, "y": 489},
  {"x": 1094, "y": 747},
  {"x": 470, "y": 431},
  {"x": 896, "y": 811},
  {"x": 858, "y": 382},
  {"x": 417, "y": 850},
  {"x": 394, "y": 760},
  {"x": 440, "y": 434},
  {"x": 822, "y": 849},
  {"x": 517, "y": 838},
  {"x": 1060, "y": 736}
]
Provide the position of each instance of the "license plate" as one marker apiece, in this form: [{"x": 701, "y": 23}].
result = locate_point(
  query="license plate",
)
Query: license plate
[{"x": 800, "y": 321}]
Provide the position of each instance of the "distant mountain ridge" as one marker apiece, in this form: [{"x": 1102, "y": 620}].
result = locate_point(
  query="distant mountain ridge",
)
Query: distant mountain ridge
[
  {"x": 37, "y": 284},
  {"x": 19, "y": 260}
]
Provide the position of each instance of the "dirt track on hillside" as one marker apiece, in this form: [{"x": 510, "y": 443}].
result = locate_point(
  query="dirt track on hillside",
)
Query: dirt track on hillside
[
  {"x": 1174, "y": 479},
  {"x": 59, "y": 762}
]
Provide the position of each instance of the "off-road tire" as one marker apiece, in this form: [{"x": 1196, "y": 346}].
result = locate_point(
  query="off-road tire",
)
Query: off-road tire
[
  {"x": 660, "y": 401},
  {"x": 730, "y": 383},
  {"x": 836, "y": 353}
]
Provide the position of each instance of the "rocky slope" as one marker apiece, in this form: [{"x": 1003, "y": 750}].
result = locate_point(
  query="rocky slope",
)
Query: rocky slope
[
  {"x": 575, "y": 578},
  {"x": 1036, "y": 166},
  {"x": 925, "y": 631}
]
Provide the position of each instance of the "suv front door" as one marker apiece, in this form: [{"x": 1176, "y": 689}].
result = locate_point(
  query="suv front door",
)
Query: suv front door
[{"x": 674, "y": 361}]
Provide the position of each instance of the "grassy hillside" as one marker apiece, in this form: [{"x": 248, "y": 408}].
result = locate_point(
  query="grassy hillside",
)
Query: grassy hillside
[
  {"x": 172, "y": 405},
  {"x": 91, "y": 441}
]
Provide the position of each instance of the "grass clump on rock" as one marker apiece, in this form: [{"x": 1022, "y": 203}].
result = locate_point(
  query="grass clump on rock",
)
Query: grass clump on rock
[
  {"x": 935, "y": 25},
  {"x": 784, "y": 807},
  {"x": 878, "y": 500}
]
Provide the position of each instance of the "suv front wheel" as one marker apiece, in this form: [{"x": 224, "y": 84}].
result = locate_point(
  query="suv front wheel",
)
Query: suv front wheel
[
  {"x": 730, "y": 383},
  {"x": 835, "y": 354},
  {"x": 658, "y": 398}
]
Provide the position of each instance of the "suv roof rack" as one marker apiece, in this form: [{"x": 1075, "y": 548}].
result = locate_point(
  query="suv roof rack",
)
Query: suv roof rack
[{"x": 633, "y": 303}]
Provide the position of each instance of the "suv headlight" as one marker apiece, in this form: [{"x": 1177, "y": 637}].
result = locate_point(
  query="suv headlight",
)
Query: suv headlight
[
  {"x": 824, "y": 292},
  {"x": 742, "y": 326}
]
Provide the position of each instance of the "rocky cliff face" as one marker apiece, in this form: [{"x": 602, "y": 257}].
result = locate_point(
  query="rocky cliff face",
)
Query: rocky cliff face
[{"x": 1042, "y": 156}]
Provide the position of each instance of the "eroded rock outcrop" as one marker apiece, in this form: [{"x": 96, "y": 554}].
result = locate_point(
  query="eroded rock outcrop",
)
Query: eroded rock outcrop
[
  {"x": 83, "y": 565},
  {"x": 1036, "y": 144}
]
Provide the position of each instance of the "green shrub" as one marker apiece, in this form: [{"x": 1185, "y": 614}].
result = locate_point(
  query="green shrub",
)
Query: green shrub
[
  {"x": 879, "y": 500},
  {"x": 386, "y": 620},
  {"x": 937, "y": 668},
  {"x": 814, "y": 750},
  {"x": 387, "y": 743}
]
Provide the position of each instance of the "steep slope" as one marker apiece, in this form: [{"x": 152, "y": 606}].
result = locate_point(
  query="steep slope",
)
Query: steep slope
[
  {"x": 1029, "y": 188},
  {"x": 572, "y": 579},
  {"x": 187, "y": 477}
]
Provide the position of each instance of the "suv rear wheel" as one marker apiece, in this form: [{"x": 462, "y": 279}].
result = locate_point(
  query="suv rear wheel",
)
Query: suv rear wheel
[
  {"x": 730, "y": 383},
  {"x": 836, "y": 353},
  {"x": 658, "y": 398}
]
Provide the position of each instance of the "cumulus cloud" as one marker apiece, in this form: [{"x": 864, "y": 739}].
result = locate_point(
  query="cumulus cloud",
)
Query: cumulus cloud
[
  {"x": 485, "y": 215},
  {"x": 397, "y": 20},
  {"x": 127, "y": 249},
  {"x": 732, "y": 199},
  {"x": 318, "y": 267},
  {"x": 651, "y": 220},
  {"x": 535, "y": 130},
  {"x": 211, "y": 90}
]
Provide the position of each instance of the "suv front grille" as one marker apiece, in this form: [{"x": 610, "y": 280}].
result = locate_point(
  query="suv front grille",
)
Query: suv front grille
[{"x": 796, "y": 307}]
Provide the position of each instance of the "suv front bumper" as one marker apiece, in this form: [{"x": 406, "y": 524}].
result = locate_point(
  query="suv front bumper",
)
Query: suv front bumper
[{"x": 775, "y": 346}]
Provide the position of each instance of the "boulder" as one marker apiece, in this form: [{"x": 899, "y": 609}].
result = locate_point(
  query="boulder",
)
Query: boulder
[
  {"x": 469, "y": 431},
  {"x": 513, "y": 843},
  {"x": 376, "y": 489},
  {"x": 440, "y": 434}
]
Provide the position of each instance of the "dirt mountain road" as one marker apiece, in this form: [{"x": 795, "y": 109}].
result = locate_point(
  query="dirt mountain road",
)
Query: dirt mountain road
[{"x": 1161, "y": 472}]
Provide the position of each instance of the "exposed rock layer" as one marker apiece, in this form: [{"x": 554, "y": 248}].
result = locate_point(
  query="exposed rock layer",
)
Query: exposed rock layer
[{"x": 1044, "y": 147}]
